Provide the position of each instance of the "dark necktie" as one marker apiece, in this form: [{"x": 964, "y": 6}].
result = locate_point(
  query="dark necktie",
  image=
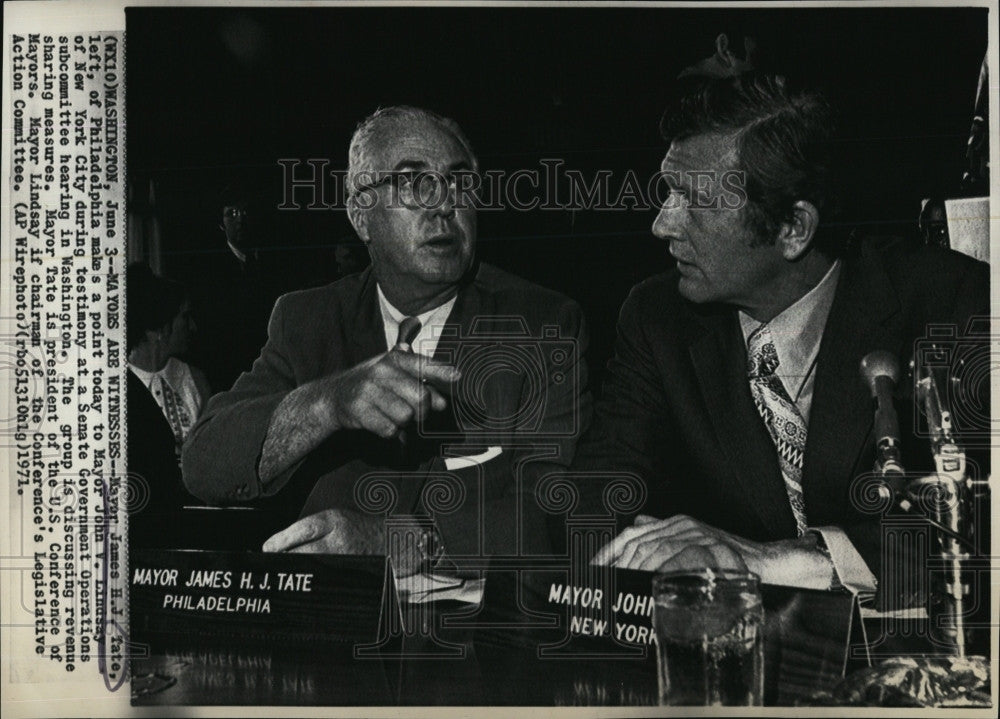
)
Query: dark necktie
[{"x": 409, "y": 328}]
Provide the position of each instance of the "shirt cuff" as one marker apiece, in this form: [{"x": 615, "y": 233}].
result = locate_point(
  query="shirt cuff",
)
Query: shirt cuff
[{"x": 850, "y": 568}]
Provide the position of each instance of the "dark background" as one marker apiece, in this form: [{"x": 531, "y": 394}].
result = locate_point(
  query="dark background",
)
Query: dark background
[{"x": 215, "y": 94}]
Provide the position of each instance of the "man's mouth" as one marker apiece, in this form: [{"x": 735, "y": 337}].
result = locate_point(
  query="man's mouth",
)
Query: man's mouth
[
  {"x": 442, "y": 242},
  {"x": 681, "y": 262}
]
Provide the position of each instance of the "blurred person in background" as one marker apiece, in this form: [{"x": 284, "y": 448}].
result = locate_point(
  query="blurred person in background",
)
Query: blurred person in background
[
  {"x": 161, "y": 329},
  {"x": 933, "y": 223},
  {"x": 164, "y": 394}
]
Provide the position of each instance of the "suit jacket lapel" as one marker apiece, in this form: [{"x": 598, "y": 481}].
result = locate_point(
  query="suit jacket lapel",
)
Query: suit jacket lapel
[
  {"x": 367, "y": 330},
  {"x": 470, "y": 305},
  {"x": 841, "y": 417},
  {"x": 719, "y": 358}
]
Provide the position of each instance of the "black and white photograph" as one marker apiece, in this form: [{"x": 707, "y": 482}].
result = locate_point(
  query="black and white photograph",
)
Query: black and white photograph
[{"x": 589, "y": 355}]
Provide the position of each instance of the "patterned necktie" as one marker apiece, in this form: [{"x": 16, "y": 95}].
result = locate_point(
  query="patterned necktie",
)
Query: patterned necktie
[
  {"x": 173, "y": 407},
  {"x": 781, "y": 417}
]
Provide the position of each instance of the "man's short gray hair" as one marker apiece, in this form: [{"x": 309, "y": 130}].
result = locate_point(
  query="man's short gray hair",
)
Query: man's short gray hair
[{"x": 360, "y": 155}]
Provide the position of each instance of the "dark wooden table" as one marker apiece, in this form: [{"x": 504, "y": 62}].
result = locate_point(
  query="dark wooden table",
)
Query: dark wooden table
[{"x": 347, "y": 642}]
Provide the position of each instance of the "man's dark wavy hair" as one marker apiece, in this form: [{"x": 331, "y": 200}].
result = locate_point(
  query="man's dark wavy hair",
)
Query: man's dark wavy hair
[{"x": 784, "y": 140}]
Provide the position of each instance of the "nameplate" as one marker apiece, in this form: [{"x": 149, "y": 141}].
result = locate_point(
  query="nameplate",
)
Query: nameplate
[
  {"x": 609, "y": 614},
  {"x": 252, "y": 595},
  {"x": 619, "y": 609}
]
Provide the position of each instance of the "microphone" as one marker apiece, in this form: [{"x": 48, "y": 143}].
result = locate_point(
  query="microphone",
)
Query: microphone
[{"x": 880, "y": 370}]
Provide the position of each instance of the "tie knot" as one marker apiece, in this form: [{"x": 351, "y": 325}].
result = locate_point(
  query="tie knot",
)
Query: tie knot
[
  {"x": 762, "y": 355},
  {"x": 409, "y": 328}
]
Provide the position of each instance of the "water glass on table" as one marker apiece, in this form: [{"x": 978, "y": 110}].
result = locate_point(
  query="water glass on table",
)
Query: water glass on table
[{"x": 710, "y": 638}]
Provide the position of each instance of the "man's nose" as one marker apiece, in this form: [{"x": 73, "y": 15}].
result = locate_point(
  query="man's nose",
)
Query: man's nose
[
  {"x": 445, "y": 206},
  {"x": 669, "y": 221}
]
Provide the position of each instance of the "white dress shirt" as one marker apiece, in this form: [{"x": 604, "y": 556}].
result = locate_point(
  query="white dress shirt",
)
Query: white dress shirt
[
  {"x": 797, "y": 333},
  {"x": 430, "y": 324}
]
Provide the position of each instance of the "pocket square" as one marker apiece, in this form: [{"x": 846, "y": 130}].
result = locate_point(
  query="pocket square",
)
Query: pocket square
[{"x": 472, "y": 460}]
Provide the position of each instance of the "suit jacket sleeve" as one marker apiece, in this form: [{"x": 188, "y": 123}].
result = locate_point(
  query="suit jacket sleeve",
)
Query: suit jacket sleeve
[
  {"x": 222, "y": 453},
  {"x": 631, "y": 427}
]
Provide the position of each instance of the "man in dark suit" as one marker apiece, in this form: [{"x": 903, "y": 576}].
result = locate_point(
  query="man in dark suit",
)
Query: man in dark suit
[
  {"x": 734, "y": 396},
  {"x": 403, "y": 383}
]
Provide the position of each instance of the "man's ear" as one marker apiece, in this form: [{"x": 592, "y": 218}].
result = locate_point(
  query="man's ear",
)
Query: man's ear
[
  {"x": 796, "y": 235},
  {"x": 359, "y": 219},
  {"x": 722, "y": 51}
]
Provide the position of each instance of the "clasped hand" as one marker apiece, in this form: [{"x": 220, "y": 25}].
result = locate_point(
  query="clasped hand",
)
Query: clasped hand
[
  {"x": 386, "y": 393},
  {"x": 683, "y": 543}
]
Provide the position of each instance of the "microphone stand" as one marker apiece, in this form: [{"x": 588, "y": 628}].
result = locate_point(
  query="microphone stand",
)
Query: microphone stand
[
  {"x": 943, "y": 499},
  {"x": 944, "y": 502},
  {"x": 946, "y": 497}
]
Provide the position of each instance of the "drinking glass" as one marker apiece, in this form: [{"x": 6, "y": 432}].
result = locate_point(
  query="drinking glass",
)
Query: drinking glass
[{"x": 709, "y": 631}]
